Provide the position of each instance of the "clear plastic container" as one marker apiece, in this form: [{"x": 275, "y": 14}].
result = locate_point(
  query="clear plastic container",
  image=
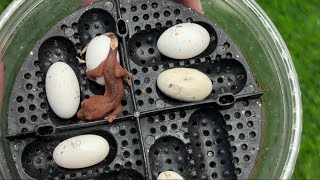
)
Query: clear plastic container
[{"x": 25, "y": 21}]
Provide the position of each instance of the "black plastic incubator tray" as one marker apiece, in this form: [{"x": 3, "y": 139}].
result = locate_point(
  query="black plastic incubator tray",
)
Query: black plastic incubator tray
[{"x": 217, "y": 138}]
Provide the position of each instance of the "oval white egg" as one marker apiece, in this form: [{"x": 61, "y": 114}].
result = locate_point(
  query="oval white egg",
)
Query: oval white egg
[
  {"x": 185, "y": 84},
  {"x": 169, "y": 175},
  {"x": 62, "y": 89},
  {"x": 81, "y": 151},
  {"x": 183, "y": 41},
  {"x": 97, "y": 51}
]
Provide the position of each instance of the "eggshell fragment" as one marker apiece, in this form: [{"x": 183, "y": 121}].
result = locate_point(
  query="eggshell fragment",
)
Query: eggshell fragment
[
  {"x": 184, "y": 41},
  {"x": 185, "y": 84},
  {"x": 62, "y": 89},
  {"x": 97, "y": 51},
  {"x": 169, "y": 175},
  {"x": 81, "y": 151}
]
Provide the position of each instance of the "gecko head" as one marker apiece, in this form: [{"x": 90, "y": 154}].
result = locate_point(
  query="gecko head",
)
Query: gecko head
[
  {"x": 114, "y": 43},
  {"x": 114, "y": 40},
  {"x": 109, "y": 34}
]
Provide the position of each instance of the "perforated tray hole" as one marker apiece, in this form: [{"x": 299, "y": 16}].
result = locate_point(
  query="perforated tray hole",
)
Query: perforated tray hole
[
  {"x": 169, "y": 154},
  {"x": 56, "y": 49},
  {"x": 127, "y": 103},
  {"x": 243, "y": 126},
  {"x": 129, "y": 153},
  {"x": 120, "y": 175},
  {"x": 210, "y": 145},
  {"x": 37, "y": 157},
  {"x": 226, "y": 99},
  {"x": 94, "y": 22},
  {"x": 122, "y": 27},
  {"x": 30, "y": 109},
  {"x": 45, "y": 130},
  {"x": 227, "y": 76},
  {"x": 143, "y": 48},
  {"x": 154, "y": 13}
]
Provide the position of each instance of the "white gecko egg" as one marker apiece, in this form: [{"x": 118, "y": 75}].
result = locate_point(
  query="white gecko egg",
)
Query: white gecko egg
[
  {"x": 81, "y": 151},
  {"x": 184, "y": 41},
  {"x": 169, "y": 175},
  {"x": 184, "y": 84},
  {"x": 63, "y": 90},
  {"x": 97, "y": 51}
]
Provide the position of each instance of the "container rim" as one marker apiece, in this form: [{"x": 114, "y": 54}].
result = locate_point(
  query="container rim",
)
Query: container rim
[
  {"x": 5, "y": 17},
  {"x": 286, "y": 58},
  {"x": 6, "y": 14},
  {"x": 294, "y": 87}
]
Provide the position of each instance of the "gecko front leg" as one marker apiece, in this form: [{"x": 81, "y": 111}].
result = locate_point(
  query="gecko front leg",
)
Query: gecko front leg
[
  {"x": 96, "y": 72},
  {"x": 127, "y": 78},
  {"x": 84, "y": 50},
  {"x": 81, "y": 61},
  {"x": 120, "y": 72}
]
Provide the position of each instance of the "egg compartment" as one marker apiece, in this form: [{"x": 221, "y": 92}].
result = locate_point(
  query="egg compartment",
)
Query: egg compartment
[
  {"x": 34, "y": 159},
  {"x": 120, "y": 175},
  {"x": 203, "y": 142},
  {"x": 148, "y": 20},
  {"x": 29, "y": 107},
  {"x": 95, "y": 22},
  {"x": 231, "y": 82},
  {"x": 143, "y": 49},
  {"x": 222, "y": 61}
]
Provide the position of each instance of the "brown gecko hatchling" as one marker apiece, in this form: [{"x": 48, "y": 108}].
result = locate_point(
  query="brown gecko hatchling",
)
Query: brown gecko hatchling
[{"x": 107, "y": 106}]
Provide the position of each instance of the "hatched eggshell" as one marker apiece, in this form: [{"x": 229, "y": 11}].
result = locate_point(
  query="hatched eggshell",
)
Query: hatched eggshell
[
  {"x": 81, "y": 151},
  {"x": 184, "y": 41},
  {"x": 63, "y": 91},
  {"x": 169, "y": 175},
  {"x": 185, "y": 84},
  {"x": 97, "y": 51}
]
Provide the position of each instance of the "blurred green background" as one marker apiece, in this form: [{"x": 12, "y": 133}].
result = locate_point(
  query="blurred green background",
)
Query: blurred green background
[{"x": 299, "y": 24}]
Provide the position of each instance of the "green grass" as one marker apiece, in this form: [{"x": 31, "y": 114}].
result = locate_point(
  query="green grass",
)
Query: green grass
[
  {"x": 4, "y": 4},
  {"x": 299, "y": 24}
]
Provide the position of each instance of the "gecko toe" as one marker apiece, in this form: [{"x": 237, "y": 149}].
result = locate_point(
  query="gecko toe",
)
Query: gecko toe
[{"x": 110, "y": 119}]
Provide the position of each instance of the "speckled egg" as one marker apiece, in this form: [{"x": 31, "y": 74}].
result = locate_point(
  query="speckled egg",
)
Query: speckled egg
[{"x": 185, "y": 84}]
